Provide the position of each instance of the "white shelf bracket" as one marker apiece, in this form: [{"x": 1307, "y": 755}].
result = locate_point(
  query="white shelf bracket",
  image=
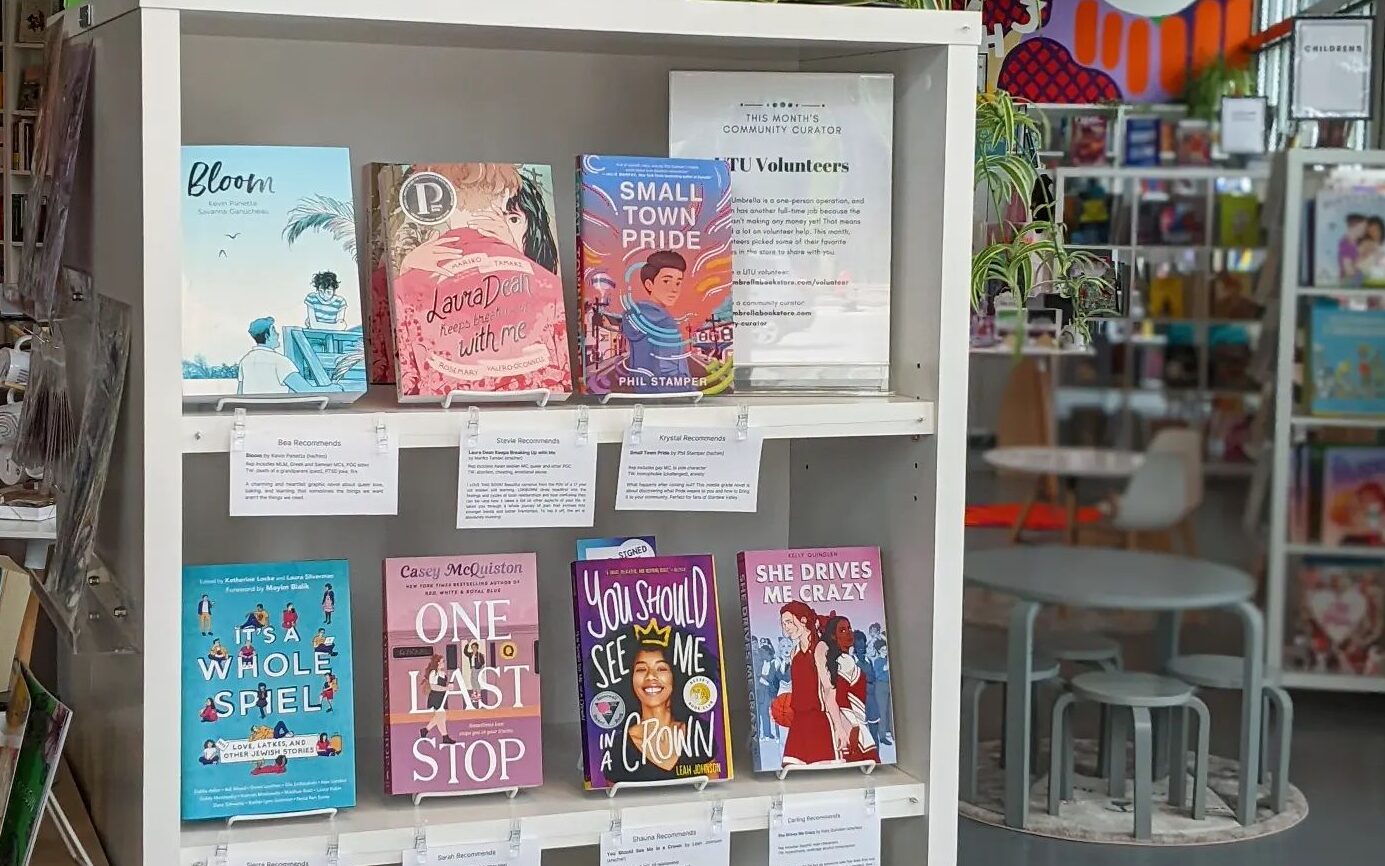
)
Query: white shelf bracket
[
  {"x": 742, "y": 422},
  {"x": 238, "y": 430},
  {"x": 718, "y": 817},
  {"x": 382, "y": 434},
  {"x": 516, "y": 837},
  {"x": 473, "y": 426},
  {"x": 637, "y": 424},
  {"x": 583, "y": 425}
]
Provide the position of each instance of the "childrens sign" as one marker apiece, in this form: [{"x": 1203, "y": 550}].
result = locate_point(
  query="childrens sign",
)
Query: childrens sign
[{"x": 1331, "y": 76}]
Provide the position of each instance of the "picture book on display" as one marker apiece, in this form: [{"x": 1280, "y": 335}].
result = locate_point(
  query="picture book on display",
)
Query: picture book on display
[
  {"x": 43, "y": 732},
  {"x": 461, "y": 673},
  {"x": 1087, "y": 144},
  {"x": 1341, "y": 618},
  {"x": 1353, "y": 496},
  {"x": 811, "y": 158},
  {"x": 474, "y": 287},
  {"x": 271, "y": 298},
  {"x": 1349, "y": 237},
  {"x": 650, "y": 670},
  {"x": 1346, "y": 361},
  {"x": 815, "y": 615},
  {"x": 267, "y": 723},
  {"x": 654, "y": 275},
  {"x": 619, "y": 547}
]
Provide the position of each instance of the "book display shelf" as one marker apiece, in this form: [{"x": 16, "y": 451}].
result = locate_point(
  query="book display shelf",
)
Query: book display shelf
[
  {"x": 1321, "y": 611},
  {"x": 1188, "y": 239},
  {"x": 534, "y": 81}
]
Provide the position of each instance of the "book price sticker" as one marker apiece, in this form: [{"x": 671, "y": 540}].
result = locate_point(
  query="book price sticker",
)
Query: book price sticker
[
  {"x": 690, "y": 469},
  {"x": 697, "y": 842},
  {"x": 508, "y": 478},
  {"x": 825, "y": 830},
  {"x": 318, "y": 465}
]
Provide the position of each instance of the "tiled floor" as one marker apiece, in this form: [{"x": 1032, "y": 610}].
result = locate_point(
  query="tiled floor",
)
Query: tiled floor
[{"x": 1338, "y": 751}]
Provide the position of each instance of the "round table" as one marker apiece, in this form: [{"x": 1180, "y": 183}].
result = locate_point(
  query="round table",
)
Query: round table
[
  {"x": 1102, "y": 578},
  {"x": 1067, "y": 463}
]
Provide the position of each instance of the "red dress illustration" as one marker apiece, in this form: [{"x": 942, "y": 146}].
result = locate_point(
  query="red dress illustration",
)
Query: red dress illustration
[
  {"x": 851, "y": 699},
  {"x": 810, "y": 734}
]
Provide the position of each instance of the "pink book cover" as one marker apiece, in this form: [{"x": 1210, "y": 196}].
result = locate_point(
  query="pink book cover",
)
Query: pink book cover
[
  {"x": 475, "y": 293},
  {"x": 379, "y": 332},
  {"x": 1353, "y": 501},
  {"x": 817, "y": 657},
  {"x": 461, "y": 673}
]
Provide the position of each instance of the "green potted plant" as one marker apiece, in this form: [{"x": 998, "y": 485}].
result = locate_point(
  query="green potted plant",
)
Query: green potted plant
[{"x": 1028, "y": 256}]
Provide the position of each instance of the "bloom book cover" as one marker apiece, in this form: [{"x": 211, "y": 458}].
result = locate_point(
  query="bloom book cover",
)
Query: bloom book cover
[
  {"x": 271, "y": 292},
  {"x": 650, "y": 672},
  {"x": 461, "y": 673},
  {"x": 267, "y": 689},
  {"x": 654, "y": 275},
  {"x": 475, "y": 295},
  {"x": 818, "y": 656}
]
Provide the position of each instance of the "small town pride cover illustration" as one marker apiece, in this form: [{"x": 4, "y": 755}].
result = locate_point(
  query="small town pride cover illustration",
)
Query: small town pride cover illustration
[
  {"x": 650, "y": 671},
  {"x": 271, "y": 288},
  {"x": 474, "y": 280},
  {"x": 818, "y": 656},
  {"x": 461, "y": 673},
  {"x": 267, "y": 689},
  {"x": 654, "y": 263}
]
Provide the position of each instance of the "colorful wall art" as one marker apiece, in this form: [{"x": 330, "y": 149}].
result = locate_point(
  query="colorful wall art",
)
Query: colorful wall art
[{"x": 1087, "y": 51}]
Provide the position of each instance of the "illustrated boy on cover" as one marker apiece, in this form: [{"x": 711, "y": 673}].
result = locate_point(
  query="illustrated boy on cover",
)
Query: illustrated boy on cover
[
  {"x": 266, "y": 370},
  {"x": 657, "y": 348},
  {"x": 326, "y": 308}
]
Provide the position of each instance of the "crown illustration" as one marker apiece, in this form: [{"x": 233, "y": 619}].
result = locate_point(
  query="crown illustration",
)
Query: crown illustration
[{"x": 652, "y": 634}]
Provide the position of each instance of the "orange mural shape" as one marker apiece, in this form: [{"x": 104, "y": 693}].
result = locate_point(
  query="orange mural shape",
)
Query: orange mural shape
[
  {"x": 1206, "y": 33},
  {"x": 1111, "y": 33},
  {"x": 1138, "y": 64},
  {"x": 1238, "y": 18},
  {"x": 1084, "y": 42},
  {"x": 1173, "y": 53}
]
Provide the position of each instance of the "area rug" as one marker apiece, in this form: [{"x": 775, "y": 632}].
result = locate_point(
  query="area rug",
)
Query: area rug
[{"x": 1093, "y": 816}]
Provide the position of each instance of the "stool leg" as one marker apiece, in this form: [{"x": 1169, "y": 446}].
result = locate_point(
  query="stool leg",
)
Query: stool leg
[
  {"x": 1144, "y": 772},
  {"x": 1104, "y": 731},
  {"x": 1035, "y": 692},
  {"x": 1178, "y": 756},
  {"x": 1115, "y": 760},
  {"x": 1283, "y": 736},
  {"x": 1060, "y": 731},
  {"x": 1204, "y": 726},
  {"x": 1159, "y": 716},
  {"x": 971, "y": 707},
  {"x": 1068, "y": 759},
  {"x": 1265, "y": 739},
  {"x": 1004, "y": 714}
]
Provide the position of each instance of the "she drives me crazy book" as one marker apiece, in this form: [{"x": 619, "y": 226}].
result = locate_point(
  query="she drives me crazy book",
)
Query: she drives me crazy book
[
  {"x": 654, "y": 275},
  {"x": 473, "y": 269},
  {"x": 815, "y": 614},
  {"x": 267, "y": 689},
  {"x": 650, "y": 673},
  {"x": 461, "y": 673}
]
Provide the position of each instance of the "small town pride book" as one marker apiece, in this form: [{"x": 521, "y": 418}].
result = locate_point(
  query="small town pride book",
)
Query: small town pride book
[
  {"x": 811, "y": 158},
  {"x": 654, "y": 275},
  {"x": 650, "y": 670},
  {"x": 815, "y": 616},
  {"x": 267, "y": 689},
  {"x": 475, "y": 294},
  {"x": 461, "y": 673},
  {"x": 271, "y": 288}
]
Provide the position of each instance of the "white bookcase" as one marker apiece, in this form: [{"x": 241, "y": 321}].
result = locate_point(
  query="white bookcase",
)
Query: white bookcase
[
  {"x": 1304, "y": 174},
  {"x": 20, "y": 51},
  {"x": 536, "y": 81}
]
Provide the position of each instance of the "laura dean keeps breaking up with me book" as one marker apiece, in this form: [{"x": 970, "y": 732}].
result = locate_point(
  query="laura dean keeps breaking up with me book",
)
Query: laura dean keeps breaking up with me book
[
  {"x": 650, "y": 671},
  {"x": 461, "y": 673}
]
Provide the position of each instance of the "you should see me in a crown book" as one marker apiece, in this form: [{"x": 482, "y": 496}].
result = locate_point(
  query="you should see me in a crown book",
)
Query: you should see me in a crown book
[{"x": 271, "y": 292}]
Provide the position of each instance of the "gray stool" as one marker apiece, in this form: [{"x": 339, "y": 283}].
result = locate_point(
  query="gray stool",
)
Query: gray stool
[
  {"x": 983, "y": 663},
  {"x": 1139, "y": 693},
  {"x": 1225, "y": 672},
  {"x": 1086, "y": 648}
]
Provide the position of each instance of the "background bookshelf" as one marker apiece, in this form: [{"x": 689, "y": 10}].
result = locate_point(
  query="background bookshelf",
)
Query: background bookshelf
[
  {"x": 21, "y": 63},
  {"x": 1180, "y": 354},
  {"x": 1292, "y": 544}
]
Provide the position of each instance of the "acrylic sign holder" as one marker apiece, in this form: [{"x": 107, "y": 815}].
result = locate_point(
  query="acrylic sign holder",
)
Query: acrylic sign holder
[
  {"x": 693, "y": 396},
  {"x": 866, "y": 768},
  {"x": 540, "y": 396},
  {"x": 510, "y": 794},
  {"x": 316, "y": 400},
  {"x": 223, "y": 848}
]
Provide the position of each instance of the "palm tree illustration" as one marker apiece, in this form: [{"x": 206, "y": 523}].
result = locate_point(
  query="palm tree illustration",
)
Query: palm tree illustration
[{"x": 321, "y": 213}]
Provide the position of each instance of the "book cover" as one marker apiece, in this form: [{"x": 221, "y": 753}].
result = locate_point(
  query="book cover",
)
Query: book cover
[
  {"x": 1233, "y": 296},
  {"x": 375, "y": 300},
  {"x": 462, "y": 673},
  {"x": 1167, "y": 295},
  {"x": 618, "y": 547},
  {"x": 1088, "y": 143},
  {"x": 16, "y": 720},
  {"x": 811, "y": 158},
  {"x": 650, "y": 670},
  {"x": 475, "y": 293},
  {"x": 268, "y": 720},
  {"x": 1194, "y": 141},
  {"x": 654, "y": 275},
  {"x": 815, "y": 620},
  {"x": 1353, "y": 496},
  {"x": 1142, "y": 140},
  {"x": 270, "y": 283},
  {"x": 1238, "y": 220},
  {"x": 36, "y": 766},
  {"x": 1346, "y": 361},
  {"x": 1341, "y": 618},
  {"x": 1349, "y": 238}
]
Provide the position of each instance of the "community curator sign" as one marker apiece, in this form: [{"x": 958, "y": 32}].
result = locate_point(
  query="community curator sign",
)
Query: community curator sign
[{"x": 1331, "y": 68}]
